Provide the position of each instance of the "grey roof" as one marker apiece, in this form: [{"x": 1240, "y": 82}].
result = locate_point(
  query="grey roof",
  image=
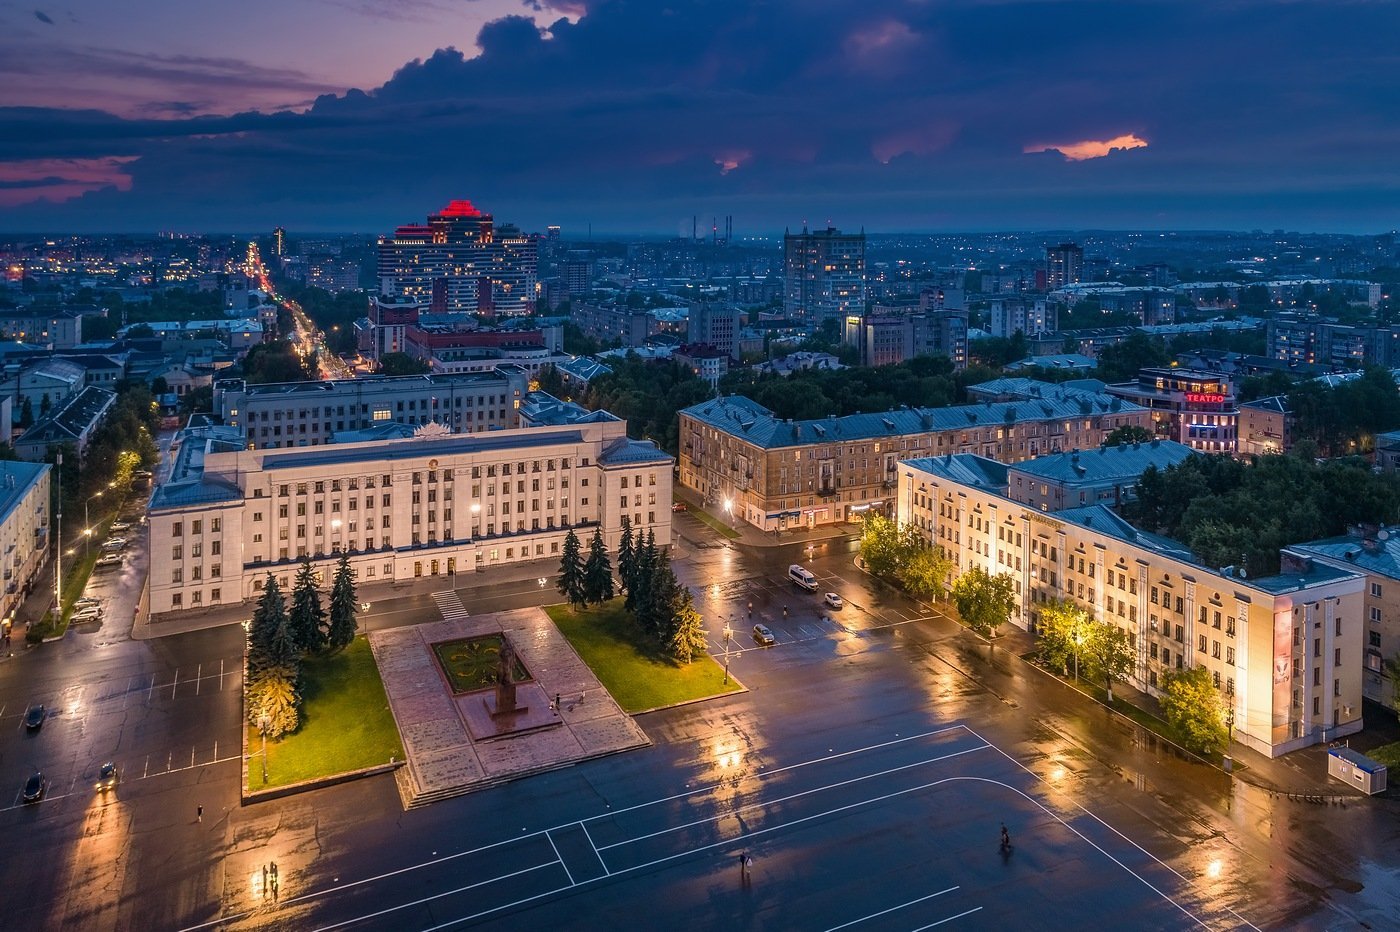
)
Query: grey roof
[
  {"x": 744, "y": 418},
  {"x": 1105, "y": 464},
  {"x": 584, "y": 368},
  {"x": 627, "y": 452},
  {"x": 331, "y": 386},
  {"x": 1277, "y": 403},
  {"x": 1373, "y": 555},
  {"x": 1104, "y": 520},
  {"x": 16, "y": 479},
  {"x": 71, "y": 419},
  {"x": 384, "y": 430},
  {"x": 965, "y": 468},
  {"x": 1026, "y": 388},
  {"x": 186, "y": 484},
  {"x": 411, "y": 448},
  {"x": 542, "y": 409}
]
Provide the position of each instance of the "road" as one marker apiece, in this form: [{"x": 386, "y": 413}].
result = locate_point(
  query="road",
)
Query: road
[
  {"x": 866, "y": 771},
  {"x": 307, "y": 338}
]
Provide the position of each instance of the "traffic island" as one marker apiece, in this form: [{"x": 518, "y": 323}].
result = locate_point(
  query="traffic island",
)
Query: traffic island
[
  {"x": 346, "y": 730},
  {"x": 466, "y": 724}
]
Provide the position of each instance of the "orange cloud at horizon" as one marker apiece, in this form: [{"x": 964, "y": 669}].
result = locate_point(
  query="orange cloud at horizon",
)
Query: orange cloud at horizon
[{"x": 1092, "y": 148}]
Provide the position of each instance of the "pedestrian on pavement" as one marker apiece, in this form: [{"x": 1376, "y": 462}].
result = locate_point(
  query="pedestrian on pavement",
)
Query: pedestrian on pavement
[
  {"x": 264, "y": 886},
  {"x": 199, "y": 814},
  {"x": 743, "y": 865},
  {"x": 558, "y": 697},
  {"x": 748, "y": 867}
]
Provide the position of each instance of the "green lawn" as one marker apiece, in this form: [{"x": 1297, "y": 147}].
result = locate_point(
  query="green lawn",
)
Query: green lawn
[
  {"x": 715, "y": 523},
  {"x": 637, "y": 674},
  {"x": 471, "y": 663},
  {"x": 1388, "y": 754},
  {"x": 345, "y": 723}
]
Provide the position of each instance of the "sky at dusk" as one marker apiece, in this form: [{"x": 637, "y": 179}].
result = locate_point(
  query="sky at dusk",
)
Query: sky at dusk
[{"x": 634, "y": 115}]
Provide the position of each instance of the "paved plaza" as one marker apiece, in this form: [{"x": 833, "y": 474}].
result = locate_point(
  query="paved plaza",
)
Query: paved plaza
[{"x": 444, "y": 759}]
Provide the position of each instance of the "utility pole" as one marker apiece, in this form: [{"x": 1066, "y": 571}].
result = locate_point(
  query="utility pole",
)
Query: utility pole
[{"x": 58, "y": 540}]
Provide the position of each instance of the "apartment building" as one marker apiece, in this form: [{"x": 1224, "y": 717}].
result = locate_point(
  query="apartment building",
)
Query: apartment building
[
  {"x": 299, "y": 414},
  {"x": 1284, "y": 651},
  {"x": 24, "y": 531},
  {"x": 1107, "y": 475},
  {"x": 1193, "y": 407},
  {"x": 777, "y": 474},
  {"x": 1375, "y": 551},
  {"x": 431, "y": 505},
  {"x": 1030, "y": 316}
]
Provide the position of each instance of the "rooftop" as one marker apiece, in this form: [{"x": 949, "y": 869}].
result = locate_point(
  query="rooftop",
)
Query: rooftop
[
  {"x": 742, "y": 417},
  {"x": 408, "y": 382},
  {"x": 1105, "y": 464},
  {"x": 16, "y": 479}
]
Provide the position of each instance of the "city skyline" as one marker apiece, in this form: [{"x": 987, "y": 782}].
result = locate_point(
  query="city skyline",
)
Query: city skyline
[{"x": 968, "y": 116}]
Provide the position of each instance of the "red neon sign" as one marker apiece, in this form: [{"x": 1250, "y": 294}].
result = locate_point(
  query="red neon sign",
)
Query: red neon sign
[{"x": 1204, "y": 398}]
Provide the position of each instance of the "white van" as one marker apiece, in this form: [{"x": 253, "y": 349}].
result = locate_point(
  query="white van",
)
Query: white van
[{"x": 803, "y": 577}]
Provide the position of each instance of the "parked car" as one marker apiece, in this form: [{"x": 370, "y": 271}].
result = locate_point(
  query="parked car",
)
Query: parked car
[
  {"x": 34, "y": 787},
  {"x": 86, "y": 613},
  {"x": 833, "y": 600},
  {"x": 107, "y": 777},
  {"x": 110, "y": 560},
  {"x": 114, "y": 543},
  {"x": 763, "y": 635},
  {"x": 679, "y": 506},
  {"x": 87, "y": 600},
  {"x": 34, "y": 718},
  {"x": 118, "y": 526}
]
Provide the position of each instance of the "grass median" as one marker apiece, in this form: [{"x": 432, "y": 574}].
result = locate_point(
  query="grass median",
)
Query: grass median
[
  {"x": 346, "y": 724},
  {"x": 707, "y": 518},
  {"x": 630, "y": 665}
]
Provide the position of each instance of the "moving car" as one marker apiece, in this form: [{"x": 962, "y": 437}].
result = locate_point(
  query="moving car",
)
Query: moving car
[
  {"x": 833, "y": 600},
  {"x": 679, "y": 506},
  {"x": 34, "y": 718},
  {"x": 114, "y": 543},
  {"x": 34, "y": 787},
  {"x": 120, "y": 526},
  {"x": 763, "y": 635},
  {"x": 803, "y": 577},
  {"x": 111, "y": 559},
  {"x": 107, "y": 777}
]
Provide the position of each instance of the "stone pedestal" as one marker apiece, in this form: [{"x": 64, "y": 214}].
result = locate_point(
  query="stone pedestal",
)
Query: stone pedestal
[{"x": 487, "y": 719}]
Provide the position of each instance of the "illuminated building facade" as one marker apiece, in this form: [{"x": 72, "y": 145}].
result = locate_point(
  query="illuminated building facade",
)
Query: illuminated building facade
[
  {"x": 461, "y": 261},
  {"x": 774, "y": 473},
  {"x": 301, "y": 414},
  {"x": 1285, "y": 651},
  {"x": 1191, "y": 406},
  {"x": 402, "y": 509},
  {"x": 823, "y": 275}
]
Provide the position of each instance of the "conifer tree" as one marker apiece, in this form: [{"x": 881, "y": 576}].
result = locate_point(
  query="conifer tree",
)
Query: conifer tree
[
  {"x": 626, "y": 555},
  {"x": 570, "y": 583},
  {"x": 597, "y": 572},
  {"x": 307, "y": 621},
  {"x": 343, "y": 606}
]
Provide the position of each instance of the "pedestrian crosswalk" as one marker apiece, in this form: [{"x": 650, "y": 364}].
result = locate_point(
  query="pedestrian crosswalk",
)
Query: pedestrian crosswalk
[{"x": 450, "y": 604}]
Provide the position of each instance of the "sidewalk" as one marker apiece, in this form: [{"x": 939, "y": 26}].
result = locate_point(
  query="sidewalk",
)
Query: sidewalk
[
  {"x": 237, "y": 613},
  {"x": 751, "y": 536}
]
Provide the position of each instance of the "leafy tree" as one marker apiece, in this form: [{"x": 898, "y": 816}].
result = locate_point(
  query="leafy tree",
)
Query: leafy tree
[
  {"x": 1193, "y": 709},
  {"x": 626, "y": 556},
  {"x": 1064, "y": 628},
  {"x": 403, "y": 364},
  {"x": 1109, "y": 651},
  {"x": 307, "y": 621},
  {"x": 1123, "y": 361},
  {"x": 273, "y": 693},
  {"x": 570, "y": 584},
  {"x": 597, "y": 572},
  {"x": 1128, "y": 434},
  {"x": 26, "y": 413},
  {"x": 881, "y": 547},
  {"x": 343, "y": 606},
  {"x": 925, "y": 572},
  {"x": 984, "y": 601},
  {"x": 687, "y": 631},
  {"x": 277, "y": 361}
]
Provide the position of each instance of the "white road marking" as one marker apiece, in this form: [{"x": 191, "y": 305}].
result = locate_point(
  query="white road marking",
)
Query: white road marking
[
  {"x": 885, "y": 912},
  {"x": 967, "y": 912}
]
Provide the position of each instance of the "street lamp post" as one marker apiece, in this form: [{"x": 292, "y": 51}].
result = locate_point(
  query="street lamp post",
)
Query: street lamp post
[
  {"x": 728, "y": 633},
  {"x": 263, "y": 722}
]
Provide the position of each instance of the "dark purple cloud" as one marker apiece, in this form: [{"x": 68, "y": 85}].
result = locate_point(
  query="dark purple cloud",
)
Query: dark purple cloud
[{"x": 888, "y": 114}]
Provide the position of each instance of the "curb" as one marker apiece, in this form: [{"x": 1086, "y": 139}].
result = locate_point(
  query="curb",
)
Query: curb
[
  {"x": 250, "y": 797},
  {"x": 677, "y": 705}
]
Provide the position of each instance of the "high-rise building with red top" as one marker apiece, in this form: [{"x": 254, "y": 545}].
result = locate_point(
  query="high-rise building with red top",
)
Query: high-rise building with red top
[{"x": 461, "y": 261}]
